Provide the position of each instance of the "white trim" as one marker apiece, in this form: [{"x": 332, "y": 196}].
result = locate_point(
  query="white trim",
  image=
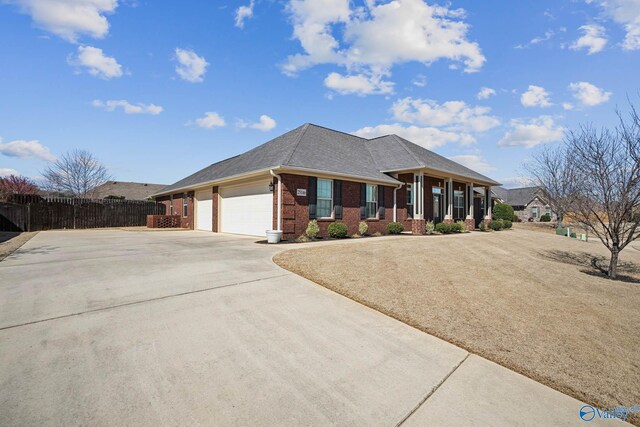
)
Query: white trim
[{"x": 279, "y": 178}]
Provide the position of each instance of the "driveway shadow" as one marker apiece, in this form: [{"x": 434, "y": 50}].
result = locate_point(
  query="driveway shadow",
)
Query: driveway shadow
[{"x": 593, "y": 265}]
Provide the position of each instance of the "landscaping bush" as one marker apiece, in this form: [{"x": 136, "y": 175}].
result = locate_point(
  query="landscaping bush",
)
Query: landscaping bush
[
  {"x": 496, "y": 225},
  {"x": 337, "y": 230},
  {"x": 507, "y": 223},
  {"x": 482, "y": 226},
  {"x": 429, "y": 227},
  {"x": 545, "y": 218},
  {"x": 444, "y": 228},
  {"x": 312, "y": 230},
  {"x": 395, "y": 228},
  {"x": 516, "y": 218},
  {"x": 502, "y": 211},
  {"x": 363, "y": 227},
  {"x": 461, "y": 226}
]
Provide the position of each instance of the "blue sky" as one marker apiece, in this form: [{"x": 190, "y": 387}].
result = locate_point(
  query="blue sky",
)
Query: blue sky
[{"x": 158, "y": 89}]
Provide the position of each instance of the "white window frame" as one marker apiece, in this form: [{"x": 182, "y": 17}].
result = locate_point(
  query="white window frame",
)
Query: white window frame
[
  {"x": 409, "y": 199},
  {"x": 374, "y": 194},
  {"x": 461, "y": 207},
  {"x": 534, "y": 212},
  {"x": 171, "y": 204},
  {"x": 330, "y": 199},
  {"x": 185, "y": 205}
]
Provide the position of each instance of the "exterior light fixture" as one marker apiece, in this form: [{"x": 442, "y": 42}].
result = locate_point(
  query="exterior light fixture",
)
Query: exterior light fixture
[{"x": 271, "y": 187}]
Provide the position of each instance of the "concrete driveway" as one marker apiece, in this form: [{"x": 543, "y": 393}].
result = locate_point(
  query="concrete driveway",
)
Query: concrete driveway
[{"x": 192, "y": 328}]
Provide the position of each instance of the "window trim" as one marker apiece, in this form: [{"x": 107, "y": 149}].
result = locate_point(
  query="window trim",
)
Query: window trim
[
  {"x": 374, "y": 194},
  {"x": 318, "y": 198},
  {"x": 409, "y": 199},
  {"x": 185, "y": 205},
  {"x": 534, "y": 212},
  {"x": 455, "y": 208}
]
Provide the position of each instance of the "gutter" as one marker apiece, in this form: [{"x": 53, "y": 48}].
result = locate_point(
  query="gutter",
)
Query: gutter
[
  {"x": 395, "y": 207},
  {"x": 279, "y": 226}
]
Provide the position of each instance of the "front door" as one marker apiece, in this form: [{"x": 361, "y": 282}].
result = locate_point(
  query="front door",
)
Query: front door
[{"x": 437, "y": 205}]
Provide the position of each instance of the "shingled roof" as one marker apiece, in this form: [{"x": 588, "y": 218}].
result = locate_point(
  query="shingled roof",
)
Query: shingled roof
[
  {"x": 316, "y": 148},
  {"x": 130, "y": 190}
]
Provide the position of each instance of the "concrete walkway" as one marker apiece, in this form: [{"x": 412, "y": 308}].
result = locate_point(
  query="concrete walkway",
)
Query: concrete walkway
[{"x": 174, "y": 328}]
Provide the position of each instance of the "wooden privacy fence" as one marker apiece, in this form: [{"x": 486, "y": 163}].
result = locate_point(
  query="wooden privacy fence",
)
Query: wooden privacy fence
[{"x": 34, "y": 213}]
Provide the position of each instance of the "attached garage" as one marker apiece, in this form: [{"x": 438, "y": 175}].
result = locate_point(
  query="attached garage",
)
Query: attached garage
[
  {"x": 204, "y": 210},
  {"x": 246, "y": 209}
]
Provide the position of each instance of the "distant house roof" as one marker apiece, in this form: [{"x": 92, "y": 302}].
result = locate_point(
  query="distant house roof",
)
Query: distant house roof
[
  {"x": 130, "y": 190},
  {"x": 316, "y": 148},
  {"x": 517, "y": 196}
]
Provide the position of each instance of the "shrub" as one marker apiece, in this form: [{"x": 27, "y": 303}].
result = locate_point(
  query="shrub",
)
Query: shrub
[
  {"x": 502, "y": 211},
  {"x": 443, "y": 228},
  {"x": 377, "y": 234},
  {"x": 312, "y": 230},
  {"x": 516, "y": 218},
  {"x": 545, "y": 218},
  {"x": 496, "y": 224},
  {"x": 429, "y": 227},
  {"x": 482, "y": 226},
  {"x": 507, "y": 223},
  {"x": 337, "y": 230},
  {"x": 363, "y": 227},
  {"x": 395, "y": 228},
  {"x": 461, "y": 226}
]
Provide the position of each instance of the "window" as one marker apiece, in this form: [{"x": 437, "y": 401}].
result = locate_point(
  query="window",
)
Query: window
[
  {"x": 184, "y": 204},
  {"x": 324, "y": 203},
  {"x": 458, "y": 204},
  {"x": 534, "y": 212},
  {"x": 547, "y": 210},
  {"x": 171, "y": 205},
  {"x": 372, "y": 201},
  {"x": 409, "y": 200}
]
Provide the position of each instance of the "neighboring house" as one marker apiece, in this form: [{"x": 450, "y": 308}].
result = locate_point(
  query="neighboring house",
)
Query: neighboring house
[
  {"x": 128, "y": 190},
  {"x": 528, "y": 203},
  {"x": 313, "y": 172}
]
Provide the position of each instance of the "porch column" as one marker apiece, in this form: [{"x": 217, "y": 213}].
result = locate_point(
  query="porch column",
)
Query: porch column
[
  {"x": 449, "y": 201},
  {"x": 487, "y": 203},
  {"x": 418, "y": 223},
  {"x": 469, "y": 219}
]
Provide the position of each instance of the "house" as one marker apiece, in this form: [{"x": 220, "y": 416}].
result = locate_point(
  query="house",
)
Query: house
[
  {"x": 128, "y": 190},
  {"x": 314, "y": 172},
  {"x": 528, "y": 203}
]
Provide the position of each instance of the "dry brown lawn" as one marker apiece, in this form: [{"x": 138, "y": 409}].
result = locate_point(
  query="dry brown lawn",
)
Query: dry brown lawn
[
  {"x": 527, "y": 300},
  {"x": 10, "y": 241}
]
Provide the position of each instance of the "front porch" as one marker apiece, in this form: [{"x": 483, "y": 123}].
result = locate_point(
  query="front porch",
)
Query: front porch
[{"x": 448, "y": 199}]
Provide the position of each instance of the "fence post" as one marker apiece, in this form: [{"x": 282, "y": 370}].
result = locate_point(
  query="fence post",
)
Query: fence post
[{"x": 28, "y": 216}]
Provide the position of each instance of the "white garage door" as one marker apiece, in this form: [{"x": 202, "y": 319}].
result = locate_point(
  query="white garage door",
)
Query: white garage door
[
  {"x": 204, "y": 210},
  {"x": 246, "y": 209}
]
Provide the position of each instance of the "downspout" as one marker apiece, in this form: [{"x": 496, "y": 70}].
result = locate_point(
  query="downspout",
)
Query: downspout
[
  {"x": 395, "y": 197},
  {"x": 279, "y": 198}
]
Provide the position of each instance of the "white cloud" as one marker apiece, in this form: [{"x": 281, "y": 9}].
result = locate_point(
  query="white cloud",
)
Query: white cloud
[
  {"x": 538, "y": 130},
  {"x": 452, "y": 115},
  {"x": 548, "y": 35},
  {"x": 127, "y": 107},
  {"x": 588, "y": 94},
  {"x": 420, "y": 80},
  {"x": 96, "y": 62},
  {"x": 191, "y": 67},
  {"x": 516, "y": 182},
  {"x": 7, "y": 171},
  {"x": 428, "y": 137},
  {"x": 626, "y": 13},
  {"x": 265, "y": 124},
  {"x": 567, "y": 106},
  {"x": 485, "y": 93},
  {"x": 243, "y": 13},
  {"x": 69, "y": 18},
  {"x": 210, "y": 120},
  {"x": 536, "y": 96},
  {"x": 370, "y": 41},
  {"x": 358, "y": 84},
  {"x": 594, "y": 39},
  {"x": 26, "y": 149},
  {"x": 473, "y": 161}
]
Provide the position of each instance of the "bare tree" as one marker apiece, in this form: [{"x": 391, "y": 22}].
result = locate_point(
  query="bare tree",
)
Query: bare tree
[
  {"x": 77, "y": 173},
  {"x": 13, "y": 184},
  {"x": 597, "y": 174}
]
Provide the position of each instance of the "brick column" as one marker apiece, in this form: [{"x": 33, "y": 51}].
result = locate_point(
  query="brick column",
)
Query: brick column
[{"x": 418, "y": 226}]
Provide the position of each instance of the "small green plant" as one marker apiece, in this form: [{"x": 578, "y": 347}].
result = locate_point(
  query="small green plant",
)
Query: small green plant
[
  {"x": 502, "y": 211},
  {"x": 444, "y": 228},
  {"x": 337, "y": 230},
  {"x": 496, "y": 224},
  {"x": 507, "y": 224},
  {"x": 356, "y": 236},
  {"x": 377, "y": 234},
  {"x": 363, "y": 228},
  {"x": 545, "y": 218},
  {"x": 395, "y": 228},
  {"x": 462, "y": 226},
  {"x": 312, "y": 230},
  {"x": 429, "y": 227},
  {"x": 482, "y": 226}
]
